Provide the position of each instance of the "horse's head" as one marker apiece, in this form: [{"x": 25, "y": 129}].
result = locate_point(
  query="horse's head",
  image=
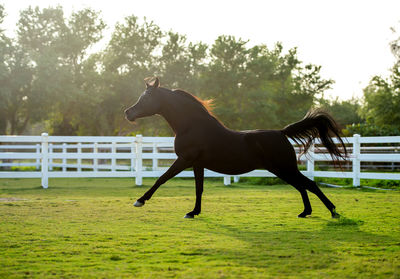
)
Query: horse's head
[{"x": 148, "y": 103}]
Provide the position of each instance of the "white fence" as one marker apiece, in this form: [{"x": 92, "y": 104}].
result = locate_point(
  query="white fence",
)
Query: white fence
[{"x": 56, "y": 156}]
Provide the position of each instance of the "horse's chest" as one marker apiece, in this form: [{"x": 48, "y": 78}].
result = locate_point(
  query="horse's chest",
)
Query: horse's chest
[{"x": 187, "y": 149}]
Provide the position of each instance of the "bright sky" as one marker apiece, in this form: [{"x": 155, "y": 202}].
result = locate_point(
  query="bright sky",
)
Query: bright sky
[{"x": 349, "y": 38}]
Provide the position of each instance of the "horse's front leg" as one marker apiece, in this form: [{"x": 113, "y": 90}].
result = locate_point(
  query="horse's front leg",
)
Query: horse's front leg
[
  {"x": 179, "y": 165},
  {"x": 199, "y": 177}
]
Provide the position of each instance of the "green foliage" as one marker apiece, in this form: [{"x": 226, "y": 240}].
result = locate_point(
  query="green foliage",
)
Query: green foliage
[
  {"x": 381, "y": 104},
  {"x": 85, "y": 93},
  {"x": 381, "y": 183},
  {"x": 43, "y": 78},
  {"x": 88, "y": 228},
  {"x": 49, "y": 75},
  {"x": 371, "y": 130},
  {"x": 254, "y": 87},
  {"x": 18, "y": 103},
  {"x": 344, "y": 112},
  {"x": 380, "y": 109},
  {"x": 382, "y": 100}
]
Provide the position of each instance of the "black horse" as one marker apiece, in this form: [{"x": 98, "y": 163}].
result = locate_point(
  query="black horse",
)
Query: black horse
[{"x": 202, "y": 141}]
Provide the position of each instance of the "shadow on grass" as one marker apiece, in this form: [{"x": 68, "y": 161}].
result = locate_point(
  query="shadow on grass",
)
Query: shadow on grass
[
  {"x": 12, "y": 190},
  {"x": 344, "y": 222},
  {"x": 283, "y": 252}
]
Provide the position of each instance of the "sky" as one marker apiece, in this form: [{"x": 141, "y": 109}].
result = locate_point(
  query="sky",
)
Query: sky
[{"x": 348, "y": 38}]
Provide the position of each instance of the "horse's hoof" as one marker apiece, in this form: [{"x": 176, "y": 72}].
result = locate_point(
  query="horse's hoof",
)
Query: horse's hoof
[
  {"x": 303, "y": 215},
  {"x": 335, "y": 214},
  {"x": 187, "y": 216},
  {"x": 138, "y": 204}
]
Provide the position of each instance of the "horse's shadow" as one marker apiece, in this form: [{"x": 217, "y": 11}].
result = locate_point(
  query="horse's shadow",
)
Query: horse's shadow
[{"x": 293, "y": 249}]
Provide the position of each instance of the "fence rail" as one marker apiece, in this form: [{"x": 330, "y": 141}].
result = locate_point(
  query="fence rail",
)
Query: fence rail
[{"x": 54, "y": 156}]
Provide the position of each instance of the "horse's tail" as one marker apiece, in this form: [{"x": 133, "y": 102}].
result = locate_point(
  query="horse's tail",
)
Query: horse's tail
[{"x": 317, "y": 123}]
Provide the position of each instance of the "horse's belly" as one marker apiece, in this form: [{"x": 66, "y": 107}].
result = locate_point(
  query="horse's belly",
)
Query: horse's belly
[
  {"x": 230, "y": 170},
  {"x": 233, "y": 165}
]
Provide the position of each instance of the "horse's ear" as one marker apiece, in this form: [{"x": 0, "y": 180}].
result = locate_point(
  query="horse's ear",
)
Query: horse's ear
[
  {"x": 156, "y": 83},
  {"x": 152, "y": 82}
]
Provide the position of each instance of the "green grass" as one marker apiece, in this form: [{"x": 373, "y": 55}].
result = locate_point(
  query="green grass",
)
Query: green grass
[{"x": 88, "y": 228}]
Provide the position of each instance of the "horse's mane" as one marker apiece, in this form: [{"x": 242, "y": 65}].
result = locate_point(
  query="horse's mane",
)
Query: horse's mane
[{"x": 206, "y": 105}]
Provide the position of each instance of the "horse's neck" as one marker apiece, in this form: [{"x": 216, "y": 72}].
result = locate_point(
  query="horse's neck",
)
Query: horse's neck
[
  {"x": 177, "y": 118},
  {"x": 182, "y": 118}
]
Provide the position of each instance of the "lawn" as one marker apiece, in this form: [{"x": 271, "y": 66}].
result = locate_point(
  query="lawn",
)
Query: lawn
[{"x": 88, "y": 228}]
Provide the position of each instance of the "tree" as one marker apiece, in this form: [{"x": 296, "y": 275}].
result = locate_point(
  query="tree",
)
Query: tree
[
  {"x": 181, "y": 64},
  {"x": 4, "y": 52},
  {"x": 371, "y": 130},
  {"x": 17, "y": 107},
  {"x": 257, "y": 87},
  {"x": 19, "y": 104},
  {"x": 224, "y": 79},
  {"x": 382, "y": 100},
  {"x": 344, "y": 112},
  {"x": 382, "y": 96},
  {"x": 40, "y": 35},
  {"x": 85, "y": 28},
  {"x": 395, "y": 46},
  {"x": 381, "y": 103},
  {"x": 130, "y": 56},
  {"x": 134, "y": 53},
  {"x": 49, "y": 75},
  {"x": 57, "y": 50}
]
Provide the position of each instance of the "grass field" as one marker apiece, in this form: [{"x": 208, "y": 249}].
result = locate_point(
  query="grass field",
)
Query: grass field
[{"x": 88, "y": 228}]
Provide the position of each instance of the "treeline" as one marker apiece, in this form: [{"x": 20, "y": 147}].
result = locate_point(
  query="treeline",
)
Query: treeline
[{"x": 52, "y": 80}]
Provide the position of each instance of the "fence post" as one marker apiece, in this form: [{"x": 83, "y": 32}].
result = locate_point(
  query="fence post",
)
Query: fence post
[
  {"x": 64, "y": 160},
  {"x": 79, "y": 161},
  {"x": 236, "y": 178},
  {"x": 45, "y": 160},
  {"x": 133, "y": 162},
  {"x": 50, "y": 160},
  {"x": 38, "y": 156},
  {"x": 311, "y": 162},
  {"x": 95, "y": 159},
  {"x": 155, "y": 160},
  {"x": 356, "y": 160},
  {"x": 139, "y": 163},
  {"x": 114, "y": 152},
  {"x": 227, "y": 180}
]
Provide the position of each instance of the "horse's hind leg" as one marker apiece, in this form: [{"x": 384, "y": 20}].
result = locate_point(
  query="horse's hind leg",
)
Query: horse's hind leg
[
  {"x": 274, "y": 151},
  {"x": 302, "y": 181},
  {"x": 313, "y": 188},
  {"x": 296, "y": 183},
  {"x": 307, "y": 206}
]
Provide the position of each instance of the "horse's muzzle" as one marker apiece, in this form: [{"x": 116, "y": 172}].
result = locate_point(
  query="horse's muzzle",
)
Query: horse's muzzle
[{"x": 130, "y": 115}]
